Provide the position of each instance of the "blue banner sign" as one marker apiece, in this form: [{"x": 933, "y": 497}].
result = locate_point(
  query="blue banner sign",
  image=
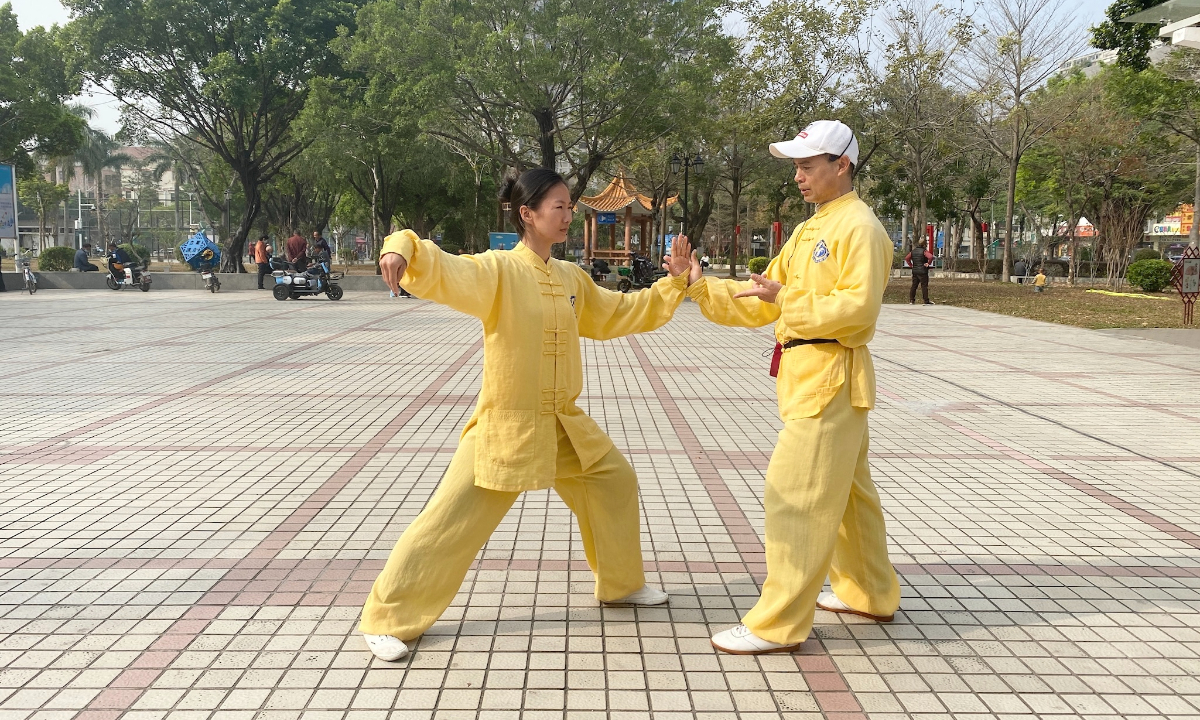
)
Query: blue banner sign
[
  {"x": 606, "y": 218},
  {"x": 503, "y": 240}
]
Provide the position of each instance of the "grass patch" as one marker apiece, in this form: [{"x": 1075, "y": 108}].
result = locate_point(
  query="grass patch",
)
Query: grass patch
[{"x": 1059, "y": 304}]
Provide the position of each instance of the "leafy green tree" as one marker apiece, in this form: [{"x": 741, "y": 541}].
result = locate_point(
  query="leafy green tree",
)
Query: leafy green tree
[
  {"x": 568, "y": 85},
  {"x": 230, "y": 76},
  {"x": 44, "y": 197},
  {"x": 1132, "y": 41},
  {"x": 35, "y": 83},
  {"x": 1170, "y": 94}
]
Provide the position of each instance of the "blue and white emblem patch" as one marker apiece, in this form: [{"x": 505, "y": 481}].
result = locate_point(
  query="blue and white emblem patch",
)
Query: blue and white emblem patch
[{"x": 820, "y": 252}]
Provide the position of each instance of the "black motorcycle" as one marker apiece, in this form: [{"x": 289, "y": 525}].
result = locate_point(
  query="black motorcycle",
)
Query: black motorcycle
[{"x": 642, "y": 274}]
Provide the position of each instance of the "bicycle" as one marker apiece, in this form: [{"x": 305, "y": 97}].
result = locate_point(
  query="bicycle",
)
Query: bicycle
[{"x": 23, "y": 261}]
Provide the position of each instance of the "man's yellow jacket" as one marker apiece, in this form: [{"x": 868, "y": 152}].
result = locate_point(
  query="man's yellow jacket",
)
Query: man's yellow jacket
[{"x": 834, "y": 269}]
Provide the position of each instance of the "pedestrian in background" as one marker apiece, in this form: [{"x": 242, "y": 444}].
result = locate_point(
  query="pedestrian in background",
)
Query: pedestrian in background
[
  {"x": 82, "y": 264},
  {"x": 296, "y": 250},
  {"x": 262, "y": 258},
  {"x": 920, "y": 259},
  {"x": 1020, "y": 267}
]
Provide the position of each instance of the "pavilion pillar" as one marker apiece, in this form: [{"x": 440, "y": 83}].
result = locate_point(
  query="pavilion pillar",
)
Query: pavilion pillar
[
  {"x": 595, "y": 234},
  {"x": 587, "y": 225},
  {"x": 628, "y": 225}
]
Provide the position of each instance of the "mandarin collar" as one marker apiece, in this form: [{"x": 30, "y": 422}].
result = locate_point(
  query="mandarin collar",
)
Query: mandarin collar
[
  {"x": 532, "y": 258},
  {"x": 834, "y": 204}
]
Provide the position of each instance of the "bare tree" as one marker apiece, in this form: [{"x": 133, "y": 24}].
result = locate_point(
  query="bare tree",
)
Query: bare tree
[{"x": 1022, "y": 44}]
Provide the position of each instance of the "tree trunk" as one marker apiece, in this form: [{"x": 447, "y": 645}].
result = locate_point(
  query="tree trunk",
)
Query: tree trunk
[
  {"x": 545, "y": 123},
  {"x": 1014, "y": 160},
  {"x": 1194, "y": 235}
]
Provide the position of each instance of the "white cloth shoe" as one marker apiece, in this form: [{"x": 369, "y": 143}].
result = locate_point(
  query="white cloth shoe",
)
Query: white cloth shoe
[
  {"x": 386, "y": 647},
  {"x": 740, "y": 641},
  {"x": 645, "y": 597},
  {"x": 829, "y": 601}
]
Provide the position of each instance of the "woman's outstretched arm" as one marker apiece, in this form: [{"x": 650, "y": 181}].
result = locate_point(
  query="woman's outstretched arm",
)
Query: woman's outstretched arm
[{"x": 466, "y": 283}]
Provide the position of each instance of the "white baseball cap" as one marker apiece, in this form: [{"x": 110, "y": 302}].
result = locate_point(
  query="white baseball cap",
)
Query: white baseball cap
[{"x": 822, "y": 137}]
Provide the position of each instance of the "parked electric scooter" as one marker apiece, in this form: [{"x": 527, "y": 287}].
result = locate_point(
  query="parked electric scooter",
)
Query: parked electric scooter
[{"x": 291, "y": 285}]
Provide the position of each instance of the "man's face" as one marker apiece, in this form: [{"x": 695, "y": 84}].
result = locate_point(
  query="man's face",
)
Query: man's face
[{"x": 821, "y": 179}]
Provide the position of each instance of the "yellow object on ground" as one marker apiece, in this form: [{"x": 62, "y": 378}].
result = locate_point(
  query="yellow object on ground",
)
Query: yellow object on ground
[
  {"x": 526, "y": 432},
  {"x": 822, "y": 511},
  {"x": 433, "y": 555},
  {"x": 1132, "y": 295},
  {"x": 533, "y": 314}
]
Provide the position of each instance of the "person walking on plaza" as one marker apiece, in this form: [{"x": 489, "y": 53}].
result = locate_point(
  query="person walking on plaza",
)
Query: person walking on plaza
[
  {"x": 920, "y": 259},
  {"x": 296, "y": 249},
  {"x": 823, "y": 292},
  {"x": 526, "y": 433},
  {"x": 82, "y": 264},
  {"x": 262, "y": 258}
]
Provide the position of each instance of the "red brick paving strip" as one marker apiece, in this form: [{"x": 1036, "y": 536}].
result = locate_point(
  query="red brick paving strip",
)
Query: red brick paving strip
[
  {"x": 824, "y": 680},
  {"x": 257, "y": 573}
]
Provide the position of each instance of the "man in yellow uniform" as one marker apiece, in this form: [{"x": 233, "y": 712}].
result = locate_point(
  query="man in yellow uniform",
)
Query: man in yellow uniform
[{"x": 823, "y": 293}]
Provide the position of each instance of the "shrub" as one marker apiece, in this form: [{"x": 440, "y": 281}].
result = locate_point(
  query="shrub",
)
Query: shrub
[
  {"x": 1149, "y": 275},
  {"x": 56, "y": 259},
  {"x": 994, "y": 267},
  {"x": 1054, "y": 268},
  {"x": 757, "y": 265},
  {"x": 141, "y": 253},
  {"x": 1147, "y": 254},
  {"x": 348, "y": 256}
]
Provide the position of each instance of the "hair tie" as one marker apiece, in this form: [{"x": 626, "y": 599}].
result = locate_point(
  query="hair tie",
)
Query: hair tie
[{"x": 506, "y": 206}]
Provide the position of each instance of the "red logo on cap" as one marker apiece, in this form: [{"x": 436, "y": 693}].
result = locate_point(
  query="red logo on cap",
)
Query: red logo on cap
[{"x": 802, "y": 135}]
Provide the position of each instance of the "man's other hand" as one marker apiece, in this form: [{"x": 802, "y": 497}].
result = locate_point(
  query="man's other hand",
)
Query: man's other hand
[{"x": 764, "y": 289}]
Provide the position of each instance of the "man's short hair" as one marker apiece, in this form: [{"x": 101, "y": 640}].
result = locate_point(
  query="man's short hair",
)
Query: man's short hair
[
  {"x": 86, "y": 245},
  {"x": 262, "y": 237}
]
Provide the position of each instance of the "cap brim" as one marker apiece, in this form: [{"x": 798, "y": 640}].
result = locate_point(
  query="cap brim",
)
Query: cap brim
[{"x": 794, "y": 149}]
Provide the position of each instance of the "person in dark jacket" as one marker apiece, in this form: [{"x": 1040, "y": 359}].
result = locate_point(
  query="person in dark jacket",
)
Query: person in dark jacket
[
  {"x": 118, "y": 260},
  {"x": 1020, "y": 269},
  {"x": 920, "y": 259},
  {"x": 82, "y": 264}
]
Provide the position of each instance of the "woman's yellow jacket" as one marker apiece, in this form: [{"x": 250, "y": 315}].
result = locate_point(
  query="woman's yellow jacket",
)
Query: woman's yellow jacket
[{"x": 533, "y": 314}]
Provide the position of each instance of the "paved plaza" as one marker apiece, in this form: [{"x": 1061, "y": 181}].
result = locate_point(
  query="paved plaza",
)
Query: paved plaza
[{"x": 197, "y": 491}]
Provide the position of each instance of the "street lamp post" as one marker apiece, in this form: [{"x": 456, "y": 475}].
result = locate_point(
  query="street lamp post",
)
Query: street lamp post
[{"x": 687, "y": 163}]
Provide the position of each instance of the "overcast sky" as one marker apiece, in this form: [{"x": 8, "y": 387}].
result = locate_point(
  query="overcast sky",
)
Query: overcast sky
[{"x": 31, "y": 13}]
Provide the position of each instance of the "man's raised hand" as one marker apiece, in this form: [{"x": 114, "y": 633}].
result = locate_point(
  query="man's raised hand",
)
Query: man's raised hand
[
  {"x": 679, "y": 261},
  {"x": 392, "y": 267},
  {"x": 764, "y": 289}
]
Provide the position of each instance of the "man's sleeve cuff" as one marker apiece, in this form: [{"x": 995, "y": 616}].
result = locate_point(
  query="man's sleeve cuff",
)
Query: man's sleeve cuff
[{"x": 698, "y": 289}]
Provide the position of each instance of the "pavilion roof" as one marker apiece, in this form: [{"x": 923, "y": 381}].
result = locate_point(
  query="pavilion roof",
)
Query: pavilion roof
[{"x": 619, "y": 195}]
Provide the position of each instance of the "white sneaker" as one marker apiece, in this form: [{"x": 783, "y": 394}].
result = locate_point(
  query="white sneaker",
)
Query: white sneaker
[
  {"x": 740, "y": 641},
  {"x": 829, "y": 601},
  {"x": 386, "y": 647},
  {"x": 645, "y": 597}
]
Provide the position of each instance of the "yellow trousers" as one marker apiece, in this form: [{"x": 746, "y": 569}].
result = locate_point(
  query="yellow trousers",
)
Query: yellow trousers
[
  {"x": 822, "y": 517},
  {"x": 429, "y": 562}
]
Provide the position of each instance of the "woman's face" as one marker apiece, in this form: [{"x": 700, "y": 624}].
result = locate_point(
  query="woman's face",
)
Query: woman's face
[{"x": 552, "y": 218}]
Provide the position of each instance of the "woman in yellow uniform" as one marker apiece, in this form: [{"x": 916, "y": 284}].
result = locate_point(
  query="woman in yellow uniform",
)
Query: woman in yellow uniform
[
  {"x": 526, "y": 432},
  {"x": 823, "y": 294}
]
